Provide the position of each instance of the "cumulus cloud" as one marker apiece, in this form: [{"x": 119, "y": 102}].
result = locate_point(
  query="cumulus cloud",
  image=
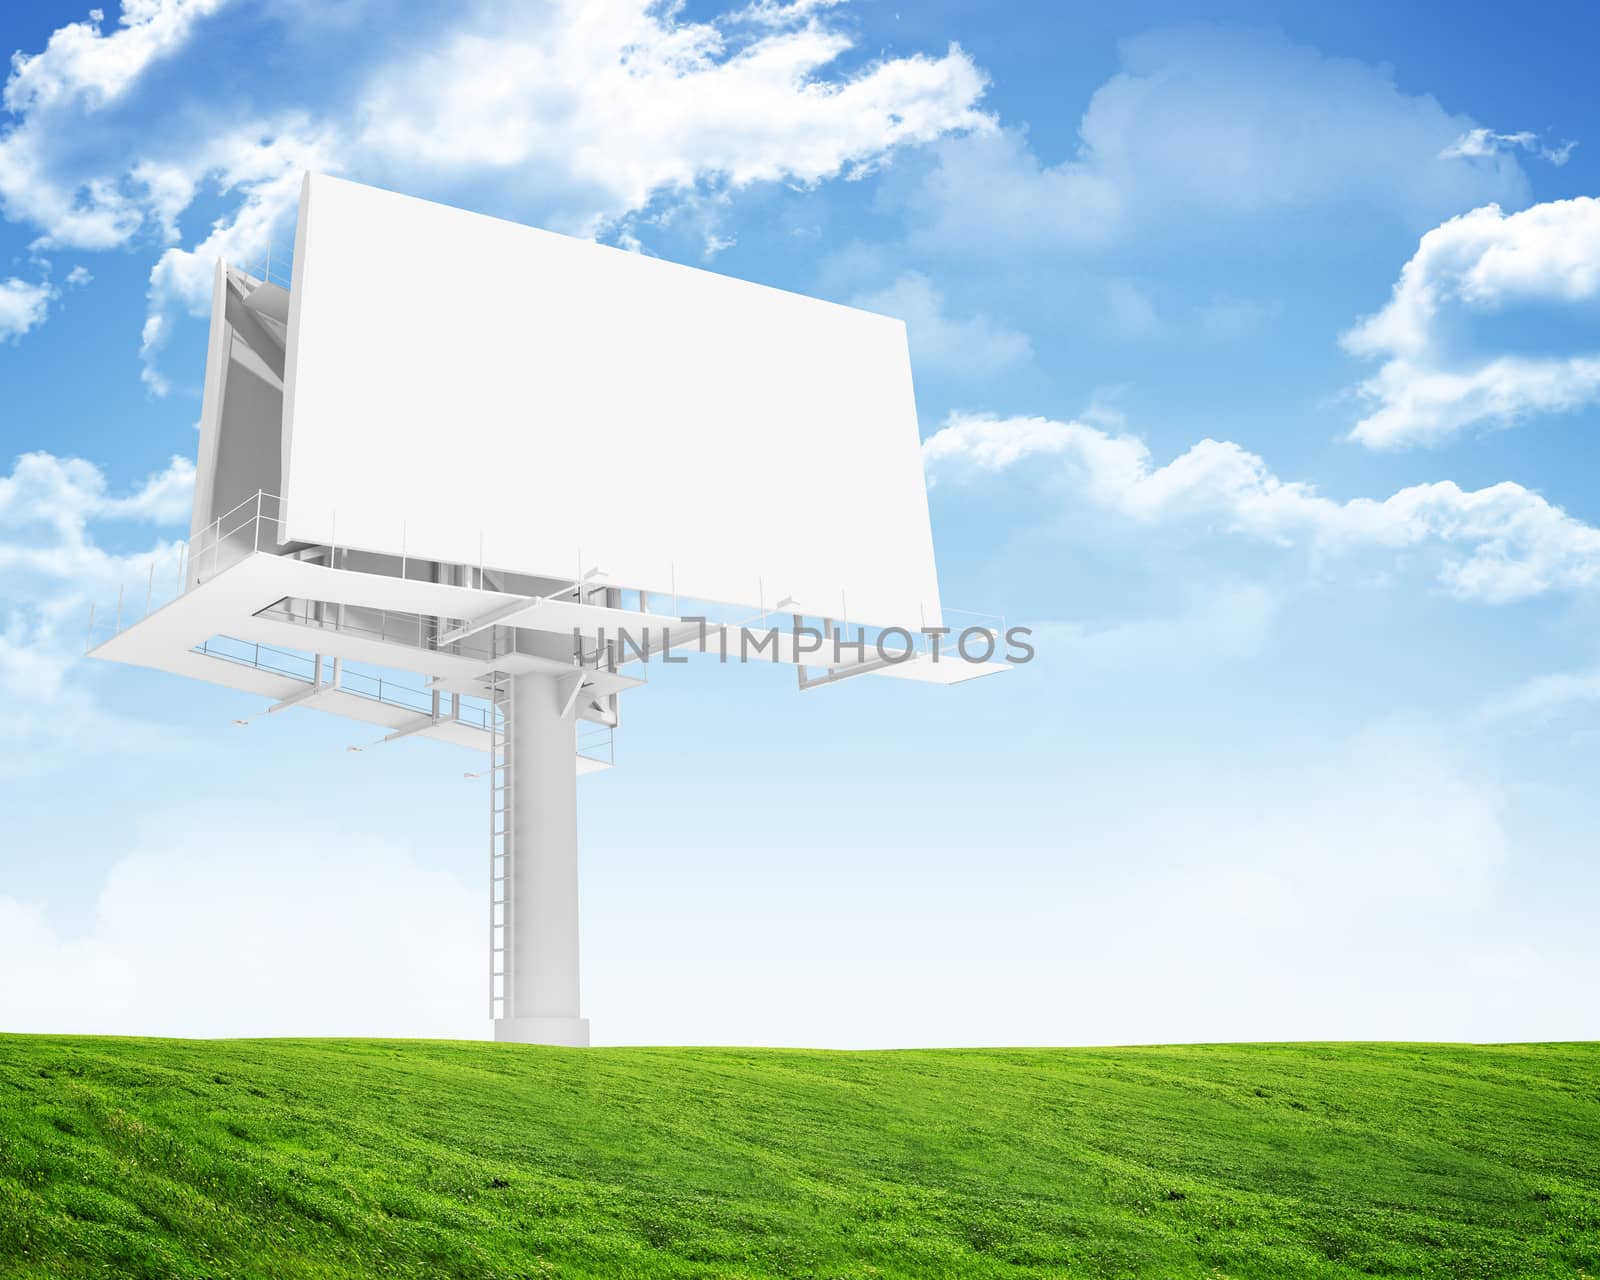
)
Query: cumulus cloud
[
  {"x": 944, "y": 346},
  {"x": 577, "y": 113},
  {"x": 82, "y": 63},
  {"x": 23, "y": 306},
  {"x": 1435, "y": 380},
  {"x": 622, "y": 100},
  {"x": 52, "y": 567},
  {"x": 1497, "y": 544},
  {"x": 66, "y": 493},
  {"x": 1208, "y": 122},
  {"x": 57, "y": 94}
]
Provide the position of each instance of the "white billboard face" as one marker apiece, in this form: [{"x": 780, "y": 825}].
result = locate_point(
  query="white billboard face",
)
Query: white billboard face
[{"x": 466, "y": 389}]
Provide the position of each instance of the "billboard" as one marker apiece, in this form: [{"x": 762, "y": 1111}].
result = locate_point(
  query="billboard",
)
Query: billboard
[{"x": 461, "y": 388}]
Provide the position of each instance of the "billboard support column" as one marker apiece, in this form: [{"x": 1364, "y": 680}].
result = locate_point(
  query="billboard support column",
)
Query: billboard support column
[{"x": 544, "y": 900}]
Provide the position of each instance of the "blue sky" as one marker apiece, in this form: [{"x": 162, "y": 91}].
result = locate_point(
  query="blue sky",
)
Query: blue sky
[{"x": 1258, "y": 368}]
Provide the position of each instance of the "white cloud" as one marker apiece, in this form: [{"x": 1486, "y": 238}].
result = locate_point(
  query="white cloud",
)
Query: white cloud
[
  {"x": 1479, "y": 143},
  {"x": 1516, "y": 543},
  {"x": 621, "y": 101},
  {"x": 975, "y": 347},
  {"x": 56, "y": 93},
  {"x": 1421, "y": 404},
  {"x": 80, "y": 63},
  {"x": 575, "y": 113},
  {"x": 66, "y": 493},
  {"x": 289, "y": 955},
  {"x": 51, "y": 569},
  {"x": 774, "y": 13},
  {"x": 1202, "y": 123},
  {"x": 1433, "y": 383},
  {"x": 1485, "y": 258},
  {"x": 23, "y": 306},
  {"x": 1545, "y": 698}
]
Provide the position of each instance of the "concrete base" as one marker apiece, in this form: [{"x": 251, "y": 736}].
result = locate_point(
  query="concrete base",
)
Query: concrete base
[{"x": 570, "y": 1032}]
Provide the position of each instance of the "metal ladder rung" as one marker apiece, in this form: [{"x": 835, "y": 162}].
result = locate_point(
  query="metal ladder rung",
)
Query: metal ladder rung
[{"x": 502, "y": 849}]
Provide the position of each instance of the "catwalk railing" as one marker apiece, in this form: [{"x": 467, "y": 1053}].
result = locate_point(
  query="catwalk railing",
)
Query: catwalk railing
[{"x": 162, "y": 575}]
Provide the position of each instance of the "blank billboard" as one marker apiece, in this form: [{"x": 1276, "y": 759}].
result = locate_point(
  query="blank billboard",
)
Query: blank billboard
[{"x": 466, "y": 389}]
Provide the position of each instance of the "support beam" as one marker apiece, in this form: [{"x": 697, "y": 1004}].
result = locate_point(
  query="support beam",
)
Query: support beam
[
  {"x": 544, "y": 903},
  {"x": 299, "y": 698},
  {"x": 418, "y": 725},
  {"x": 270, "y": 300},
  {"x": 571, "y": 687},
  {"x": 835, "y": 674},
  {"x": 256, "y": 335},
  {"x": 311, "y": 692},
  {"x": 482, "y": 623}
]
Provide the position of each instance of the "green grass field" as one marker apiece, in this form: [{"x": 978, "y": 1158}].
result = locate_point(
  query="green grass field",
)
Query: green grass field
[{"x": 323, "y": 1158}]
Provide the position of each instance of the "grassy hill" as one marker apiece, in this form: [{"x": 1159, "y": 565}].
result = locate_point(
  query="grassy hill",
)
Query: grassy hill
[{"x": 134, "y": 1158}]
